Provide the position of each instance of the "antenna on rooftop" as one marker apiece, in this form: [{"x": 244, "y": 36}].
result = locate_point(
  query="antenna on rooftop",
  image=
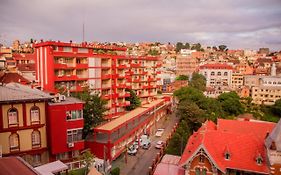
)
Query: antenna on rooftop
[{"x": 83, "y": 31}]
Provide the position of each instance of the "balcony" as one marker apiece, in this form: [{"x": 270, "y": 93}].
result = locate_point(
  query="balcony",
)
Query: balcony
[
  {"x": 60, "y": 66},
  {"x": 66, "y": 78},
  {"x": 122, "y": 66},
  {"x": 129, "y": 72},
  {"x": 106, "y": 97},
  {"x": 151, "y": 79},
  {"x": 135, "y": 65},
  {"x": 121, "y": 104},
  {"x": 82, "y": 66},
  {"x": 120, "y": 76},
  {"x": 76, "y": 88},
  {"x": 123, "y": 95},
  {"x": 121, "y": 85},
  {"x": 82, "y": 76},
  {"x": 106, "y": 76},
  {"x": 147, "y": 87},
  {"x": 136, "y": 80}
]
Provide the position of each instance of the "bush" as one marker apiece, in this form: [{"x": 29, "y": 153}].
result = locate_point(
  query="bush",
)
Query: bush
[{"x": 115, "y": 171}]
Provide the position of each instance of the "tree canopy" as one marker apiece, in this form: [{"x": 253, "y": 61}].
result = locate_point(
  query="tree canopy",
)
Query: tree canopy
[
  {"x": 133, "y": 99},
  {"x": 182, "y": 77},
  {"x": 231, "y": 104},
  {"x": 93, "y": 111},
  {"x": 222, "y": 47},
  {"x": 276, "y": 108},
  {"x": 198, "y": 81}
]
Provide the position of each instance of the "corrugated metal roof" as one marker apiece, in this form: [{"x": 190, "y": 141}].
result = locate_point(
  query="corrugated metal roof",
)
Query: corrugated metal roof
[{"x": 17, "y": 92}]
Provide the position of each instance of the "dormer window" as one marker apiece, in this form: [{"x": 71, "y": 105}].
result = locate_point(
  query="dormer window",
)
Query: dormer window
[
  {"x": 259, "y": 160},
  {"x": 227, "y": 156}
]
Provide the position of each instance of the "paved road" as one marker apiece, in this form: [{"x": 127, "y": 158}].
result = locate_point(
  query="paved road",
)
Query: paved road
[{"x": 139, "y": 164}]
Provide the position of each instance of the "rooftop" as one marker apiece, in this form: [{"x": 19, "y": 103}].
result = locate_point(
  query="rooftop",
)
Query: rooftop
[
  {"x": 16, "y": 92},
  {"x": 128, "y": 116},
  {"x": 16, "y": 166},
  {"x": 216, "y": 66}
]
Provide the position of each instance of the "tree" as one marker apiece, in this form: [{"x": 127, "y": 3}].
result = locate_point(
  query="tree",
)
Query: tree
[
  {"x": 198, "y": 81},
  {"x": 230, "y": 102},
  {"x": 153, "y": 52},
  {"x": 222, "y": 47},
  {"x": 133, "y": 99},
  {"x": 87, "y": 159},
  {"x": 187, "y": 46},
  {"x": 276, "y": 108},
  {"x": 197, "y": 47},
  {"x": 214, "y": 48},
  {"x": 182, "y": 77},
  {"x": 93, "y": 111},
  {"x": 189, "y": 93},
  {"x": 179, "y": 46}
]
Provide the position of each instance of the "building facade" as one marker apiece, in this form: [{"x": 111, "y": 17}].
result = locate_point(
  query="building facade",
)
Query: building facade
[
  {"x": 217, "y": 75},
  {"x": 23, "y": 123},
  {"x": 186, "y": 65},
  {"x": 65, "y": 124},
  {"x": 213, "y": 149},
  {"x": 103, "y": 69}
]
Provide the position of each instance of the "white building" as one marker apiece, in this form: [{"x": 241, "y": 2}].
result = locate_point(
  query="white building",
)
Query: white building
[{"x": 217, "y": 75}]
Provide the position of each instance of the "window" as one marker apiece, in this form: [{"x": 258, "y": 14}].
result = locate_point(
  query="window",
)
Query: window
[
  {"x": 212, "y": 73},
  {"x": 219, "y": 74},
  {"x": 197, "y": 171},
  {"x": 67, "y": 49},
  {"x": 225, "y": 74},
  {"x": 74, "y": 135},
  {"x": 37, "y": 159},
  {"x": 204, "y": 171},
  {"x": 36, "y": 138},
  {"x": 259, "y": 160},
  {"x": 227, "y": 156},
  {"x": 72, "y": 115},
  {"x": 14, "y": 142},
  {"x": 13, "y": 116},
  {"x": 62, "y": 156},
  {"x": 201, "y": 159},
  {"x": 35, "y": 115}
]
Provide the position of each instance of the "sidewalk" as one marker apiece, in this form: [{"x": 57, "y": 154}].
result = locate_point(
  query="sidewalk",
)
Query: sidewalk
[{"x": 140, "y": 163}]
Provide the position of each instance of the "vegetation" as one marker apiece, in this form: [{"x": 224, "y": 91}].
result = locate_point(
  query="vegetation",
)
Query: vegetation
[
  {"x": 180, "y": 46},
  {"x": 223, "y": 48},
  {"x": 88, "y": 160},
  {"x": 133, "y": 99},
  {"x": 93, "y": 111},
  {"x": 115, "y": 171},
  {"x": 153, "y": 52},
  {"x": 182, "y": 77},
  {"x": 231, "y": 104},
  {"x": 198, "y": 81},
  {"x": 197, "y": 47},
  {"x": 80, "y": 171}
]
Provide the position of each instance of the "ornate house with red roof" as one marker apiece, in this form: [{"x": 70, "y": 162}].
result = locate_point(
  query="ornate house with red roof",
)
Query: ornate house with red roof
[{"x": 233, "y": 147}]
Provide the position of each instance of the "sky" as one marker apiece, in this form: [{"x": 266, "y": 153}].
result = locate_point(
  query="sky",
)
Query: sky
[{"x": 239, "y": 24}]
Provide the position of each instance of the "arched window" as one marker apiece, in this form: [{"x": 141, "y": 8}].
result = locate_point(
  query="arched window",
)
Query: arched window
[
  {"x": 225, "y": 74},
  {"x": 35, "y": 115},
  {"x": 227, "y": 156},
  {"x": 14, "y": 142},
  {"x": 212, "y": 73},
  {"x": 219, "y": 73},
  {"x": 13, "y": 116},
  {"x": 259, "y": 160},
  {"x": 197, "y": 171},
  {"x": 201, "y": 158},
  {"x": 36, "y": 138},
  {"x": 204, "y": 171}
]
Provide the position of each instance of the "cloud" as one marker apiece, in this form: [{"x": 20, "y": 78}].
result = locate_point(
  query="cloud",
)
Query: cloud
[{"x": 238, "y": 24}]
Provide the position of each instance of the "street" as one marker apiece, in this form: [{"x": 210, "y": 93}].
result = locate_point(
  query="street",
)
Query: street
[{"x": 139, "y": 164}]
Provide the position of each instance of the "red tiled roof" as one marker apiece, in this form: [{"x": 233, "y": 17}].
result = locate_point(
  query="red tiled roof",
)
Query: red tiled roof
[
  {"x": 15, "y": 166},
  {"x": 13, "y": 77},
  {"x": 216, "y": 66},
  {"x": 243, "y": 139},
  {"x": 26, "y": 67}
]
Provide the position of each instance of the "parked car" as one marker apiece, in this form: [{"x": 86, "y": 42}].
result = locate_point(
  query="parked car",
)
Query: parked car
[
  {"x": 132, "y": 150},
  {"x": 146, "y": 145},
  {"x": 159, "y": 132},
  {"x": 159, "y": 144}
]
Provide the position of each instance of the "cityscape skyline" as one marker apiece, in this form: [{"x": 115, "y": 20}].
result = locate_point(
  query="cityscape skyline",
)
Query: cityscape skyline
[{"x": 240, "y": 24}]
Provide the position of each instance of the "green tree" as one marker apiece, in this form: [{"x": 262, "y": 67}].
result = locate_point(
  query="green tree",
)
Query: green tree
[
  {"x": 222, "y": 47},
  {"x": 189, "y": 93},
  {"x": 187, "y": 46},
  {"x": 133, "y": 99},
  {"x": 115, "y": 171},
  {"x": 153, "y": 52},
  {"x": 198, "y": 81},
  {"x": 197, "y": 47},
  {"x": 179, "y": 46},
  {"x": 276, "y": 108},
  {"x": 231, "y": 104},
  {"x": 182, "y": 77},
  {"x": 93, "y": 111},
  {"x": 87, "y": 159}
]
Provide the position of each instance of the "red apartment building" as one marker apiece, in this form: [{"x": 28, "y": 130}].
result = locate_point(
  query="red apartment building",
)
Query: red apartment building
[
  {"x": 104, "y": 69},
  {"x": 65, "y": 123},
  {"x": 110, "y": 139}
]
